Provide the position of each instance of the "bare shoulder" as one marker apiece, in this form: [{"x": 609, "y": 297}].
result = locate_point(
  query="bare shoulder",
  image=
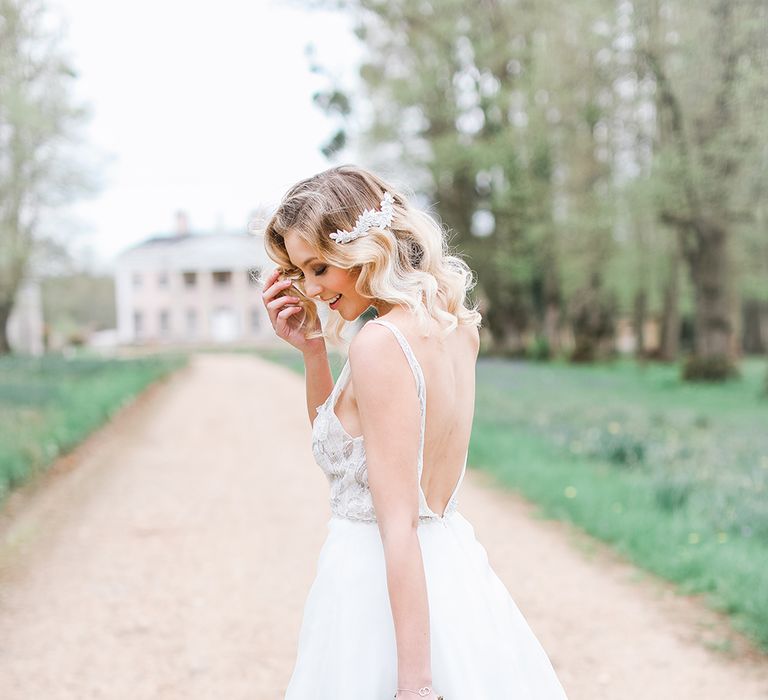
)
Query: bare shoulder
[
  {"x": 376, "y": 360},
  {"x": 469, "y": 334},
  {"x": 374, "y": 350},
  {"x": 474, "y": 336}
]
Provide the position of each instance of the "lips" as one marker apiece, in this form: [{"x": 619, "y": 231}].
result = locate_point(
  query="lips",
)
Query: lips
[{"x": 335, "y": 301}]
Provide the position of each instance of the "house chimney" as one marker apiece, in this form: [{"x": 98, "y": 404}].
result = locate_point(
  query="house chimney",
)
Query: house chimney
[{"x": 182, "y": 223}]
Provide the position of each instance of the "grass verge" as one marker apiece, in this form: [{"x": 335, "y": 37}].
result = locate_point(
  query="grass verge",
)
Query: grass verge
[{"x": 51, "y": 403}]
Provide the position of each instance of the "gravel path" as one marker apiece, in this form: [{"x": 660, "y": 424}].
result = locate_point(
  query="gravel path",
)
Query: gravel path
[{"x": 170, "y": 555}]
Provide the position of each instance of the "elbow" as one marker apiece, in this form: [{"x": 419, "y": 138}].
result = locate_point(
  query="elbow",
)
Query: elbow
[{"x": 396, "y": 528}]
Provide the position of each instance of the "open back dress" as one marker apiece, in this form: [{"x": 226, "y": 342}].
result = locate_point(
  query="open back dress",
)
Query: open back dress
[{"x": 481, "y": 645}]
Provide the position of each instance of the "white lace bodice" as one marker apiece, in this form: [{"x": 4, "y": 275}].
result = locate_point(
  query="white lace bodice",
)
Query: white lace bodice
[{"x": 342, "y": 457}]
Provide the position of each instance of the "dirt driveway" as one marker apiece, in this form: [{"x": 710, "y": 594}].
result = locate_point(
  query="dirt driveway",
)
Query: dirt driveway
[{"x": 169, "y": 558}]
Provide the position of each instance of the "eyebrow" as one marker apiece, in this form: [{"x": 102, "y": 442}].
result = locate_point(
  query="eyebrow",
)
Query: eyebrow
[{"x": 309, "y": 260}]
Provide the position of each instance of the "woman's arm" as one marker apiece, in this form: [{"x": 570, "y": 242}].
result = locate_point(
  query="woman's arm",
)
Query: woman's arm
[
  {"x": 318, "y": 377},
  {"x": 388, "y": 404},
  {"x": 282, "y": 309}
]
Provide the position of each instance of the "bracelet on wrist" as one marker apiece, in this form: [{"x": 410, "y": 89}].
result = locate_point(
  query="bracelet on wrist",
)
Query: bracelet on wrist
[{"x": 421, "y": 692}]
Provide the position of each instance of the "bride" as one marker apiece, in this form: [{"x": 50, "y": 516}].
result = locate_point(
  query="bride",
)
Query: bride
[{"x": 404, "y": 603}]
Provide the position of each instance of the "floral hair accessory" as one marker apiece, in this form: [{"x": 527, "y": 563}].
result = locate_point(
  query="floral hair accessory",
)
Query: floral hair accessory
[{"x": 369, "y": 219}]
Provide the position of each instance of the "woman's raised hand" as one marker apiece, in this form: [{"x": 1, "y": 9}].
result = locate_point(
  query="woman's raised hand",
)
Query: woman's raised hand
[{"x": 285, "y": 312}]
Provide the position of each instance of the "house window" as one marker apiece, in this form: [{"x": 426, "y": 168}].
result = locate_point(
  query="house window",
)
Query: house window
[
  {"x": 136, "y": 279},
  {"x": 165, "y": 322},
  {"x": 138, "y": 324},
  {"x": 222, "y": 278},
  {"x": 162, "y": 279},
  {"x": 190, "y": 279},
  {"x": 191, "y": 323},
  {"x": 255, "y": 320}
]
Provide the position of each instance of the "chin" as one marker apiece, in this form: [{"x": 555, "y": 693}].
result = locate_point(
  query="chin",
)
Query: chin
[
  {"x": 353, "y": 315},
  {"x": 348, "y": 317}
]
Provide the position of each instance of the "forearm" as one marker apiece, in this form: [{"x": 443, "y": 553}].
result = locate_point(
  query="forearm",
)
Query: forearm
[
  {"x": 318, "y": 376},
  {"x": 410, "y": 607}
]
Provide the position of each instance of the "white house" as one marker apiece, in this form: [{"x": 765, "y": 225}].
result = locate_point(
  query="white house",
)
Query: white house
[{"x": 192, "y": 288}]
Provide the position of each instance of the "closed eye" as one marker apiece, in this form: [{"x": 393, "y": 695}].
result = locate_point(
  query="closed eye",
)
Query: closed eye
[{"x": 320, "y": 270}]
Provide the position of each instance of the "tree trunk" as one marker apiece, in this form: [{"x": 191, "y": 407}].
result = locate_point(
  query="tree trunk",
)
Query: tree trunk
[
  {"x": 755, "y": 326},
  {"x": 5, "y": 313},
  {"x": 709, "y": 275},
  {"x": 713, "y": 327},
  {"x": 736, "y": 325},
  {"x": 552, "y": 328},
  {"x": 593, "y": 321},
  {"x": 638, "y": 321},
  {"x": 553, "y": 303},
  {"x": 507, "y": 325},
  {"x": 670, "y": 323}
]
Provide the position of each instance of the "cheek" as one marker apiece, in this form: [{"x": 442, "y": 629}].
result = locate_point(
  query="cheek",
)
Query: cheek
[
  {"x": 344, "y": 281},
  {"x": 352, "y": 276}
]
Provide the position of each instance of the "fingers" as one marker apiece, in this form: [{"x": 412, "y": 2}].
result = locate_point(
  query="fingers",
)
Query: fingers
[
  {"x": 281, "y": 306},
  {"x": 280, "y": 309},
  {"x": 273, "y": 276},
  {"x": 272, "y": 289},
  {"x": 285, "y": 313},
  {"x": 266, "y": 281},
  {"x": 281, "y": 301}
]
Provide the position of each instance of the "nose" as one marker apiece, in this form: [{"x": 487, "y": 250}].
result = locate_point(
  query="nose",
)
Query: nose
[{"x": 312, "y": 289}]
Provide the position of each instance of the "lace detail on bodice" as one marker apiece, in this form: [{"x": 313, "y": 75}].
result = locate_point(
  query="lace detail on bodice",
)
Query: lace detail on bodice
[{"x": 342, "y": 456}]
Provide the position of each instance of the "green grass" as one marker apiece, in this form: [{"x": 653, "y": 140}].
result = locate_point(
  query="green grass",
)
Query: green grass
[
  {"x": 49, "y": 404},
  {"x": 672, "y": 475},
  {"x": 291, "y": 358}
]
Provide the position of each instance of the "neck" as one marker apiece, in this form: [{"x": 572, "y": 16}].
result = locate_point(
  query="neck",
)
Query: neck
[{"x": 382, "y": 307}]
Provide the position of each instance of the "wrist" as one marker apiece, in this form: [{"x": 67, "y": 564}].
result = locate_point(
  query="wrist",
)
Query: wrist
[
  {"x": 414, "y": 676},
  {"x": 414, "y": 683},
  {"x": 314, "y": 348},
  {"x": 421, "y": 691}
]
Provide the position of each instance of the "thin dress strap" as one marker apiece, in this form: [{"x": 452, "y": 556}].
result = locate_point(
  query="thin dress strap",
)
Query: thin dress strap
[{"x": 421, "y": 386}]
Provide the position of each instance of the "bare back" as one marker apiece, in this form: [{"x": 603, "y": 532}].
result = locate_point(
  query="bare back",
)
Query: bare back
[{"x": 448, "y": 365}]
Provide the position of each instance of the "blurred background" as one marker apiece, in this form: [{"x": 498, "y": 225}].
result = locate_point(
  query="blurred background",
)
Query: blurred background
[{"x": 603, "y": 167}]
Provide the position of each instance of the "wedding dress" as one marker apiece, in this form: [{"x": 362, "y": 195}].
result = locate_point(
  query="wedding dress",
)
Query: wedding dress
[{"x": 481, "y": 645}]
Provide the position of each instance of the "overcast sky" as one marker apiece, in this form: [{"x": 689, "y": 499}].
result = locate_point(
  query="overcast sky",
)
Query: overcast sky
[{"x": 204, "y": 107}]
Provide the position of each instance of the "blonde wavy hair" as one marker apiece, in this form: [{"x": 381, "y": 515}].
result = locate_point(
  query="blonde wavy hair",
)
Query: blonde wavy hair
[{"x": 409, "y": 263}]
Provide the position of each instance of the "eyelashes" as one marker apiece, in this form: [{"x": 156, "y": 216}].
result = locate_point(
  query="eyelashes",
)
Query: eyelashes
[{"x": 297, "y": 274}]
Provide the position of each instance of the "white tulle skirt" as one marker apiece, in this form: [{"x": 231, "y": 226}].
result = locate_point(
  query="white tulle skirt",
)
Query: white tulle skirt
[{"x": 482, "y": 646}]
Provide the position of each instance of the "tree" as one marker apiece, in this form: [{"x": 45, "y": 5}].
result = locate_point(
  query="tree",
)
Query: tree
[
  {"x": 38, "y": 127},
  {"x": 710, "y": 120},
  {"x": 446, "y": 91},
  {"x": 593, "y": 315},
  {"x": 620, "y": 141}
]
